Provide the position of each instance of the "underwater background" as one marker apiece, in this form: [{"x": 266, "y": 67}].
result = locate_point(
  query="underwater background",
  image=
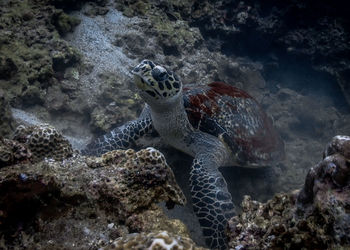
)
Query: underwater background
[{"x": 67, "y": 64}]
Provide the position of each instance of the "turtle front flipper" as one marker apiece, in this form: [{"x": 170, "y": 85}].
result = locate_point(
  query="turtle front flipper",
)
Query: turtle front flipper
[
  {"x": 211, "y": 200},
  {"x": 120, "y": 138}
]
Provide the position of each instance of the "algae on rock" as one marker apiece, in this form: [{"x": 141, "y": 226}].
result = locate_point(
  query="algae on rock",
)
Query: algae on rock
[{"x": 32, "y": 53}]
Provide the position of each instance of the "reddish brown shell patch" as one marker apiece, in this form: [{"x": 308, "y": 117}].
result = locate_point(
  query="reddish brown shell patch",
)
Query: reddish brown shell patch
[
  {"x": 223, "y": 110},
  {"x": 206, "y": 100}
]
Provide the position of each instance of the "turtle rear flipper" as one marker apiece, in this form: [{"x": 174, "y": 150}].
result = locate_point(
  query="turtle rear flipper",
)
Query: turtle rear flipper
[{"x": 211, "y": 200}]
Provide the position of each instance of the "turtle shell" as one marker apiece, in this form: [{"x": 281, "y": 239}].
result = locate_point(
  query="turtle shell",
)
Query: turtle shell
[{"x": 236, "y": 118}]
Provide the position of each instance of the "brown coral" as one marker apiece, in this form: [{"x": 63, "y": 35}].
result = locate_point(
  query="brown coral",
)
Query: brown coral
[
  {"x": 44, "y": 141},
  {"x": 153, "y": 241}
]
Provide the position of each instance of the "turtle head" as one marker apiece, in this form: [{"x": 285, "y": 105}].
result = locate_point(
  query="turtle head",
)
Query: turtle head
[{"x": 157, "y": 84}]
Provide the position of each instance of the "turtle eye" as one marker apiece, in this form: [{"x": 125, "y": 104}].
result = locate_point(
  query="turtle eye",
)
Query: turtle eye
[
  {"x": 159, "y": 73},
  {"x": 150, "y": 63}
]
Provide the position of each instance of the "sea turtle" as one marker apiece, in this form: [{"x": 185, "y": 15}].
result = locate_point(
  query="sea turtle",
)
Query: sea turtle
[{"x": 217, "y": 124}]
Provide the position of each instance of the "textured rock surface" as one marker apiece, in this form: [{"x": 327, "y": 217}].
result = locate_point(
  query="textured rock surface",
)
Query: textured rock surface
[
  {"x": 6, "y": 120},
  {"x": 317, "y": 217},
  {"x": 153, "y": 241},
  {"x": 86, "y": 202}
]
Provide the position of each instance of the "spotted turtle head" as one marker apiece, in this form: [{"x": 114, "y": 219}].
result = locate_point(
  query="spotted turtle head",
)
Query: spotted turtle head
[{"x": 156, "y": 83}]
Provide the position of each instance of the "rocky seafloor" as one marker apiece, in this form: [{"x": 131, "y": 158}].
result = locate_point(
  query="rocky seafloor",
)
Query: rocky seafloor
[
  {"x": 67, "y": 63},
  {"x": 53, "y": 198}
]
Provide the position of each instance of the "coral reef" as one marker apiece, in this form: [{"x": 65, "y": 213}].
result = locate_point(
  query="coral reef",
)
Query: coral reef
[
  {"x": 317, "y": 217},
  {"x": 153, "y": 241},
  {"x": 76, "y": 77},
  {"x": 86, "y": 202},
  {"x": 33, "y": 144},
  {"x": 13, "y": 152},
  {"x": 43, "y": 141},
  {"x": 34, "y": 58}
]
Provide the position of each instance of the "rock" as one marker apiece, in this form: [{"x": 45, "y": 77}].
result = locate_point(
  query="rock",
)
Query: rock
[
  {"x": 64, "y": 58},
  {"x": 116, "y": 103},
  {"x": 13, "y": 152},
  {"x": 7, "y": 123},
  {"x": 317, "y": 217},
  {"x": 153, "y": 241},
  {"x": 133, "y": 8},
  {"x": 56, "y": 100},
  {"x": 7, "y": 68},
  {"x": 32, "y": 95},
  {"x": 64, "y": 23},
  {"x": 177, "y": 38},
  {"x": 94, "y": 9},
  {"x": 86, "y": 202},
  {"x": 338, "y": 145},
  {"x": 69, "y": 5},
  {"x": 325, "y": 179},
  {"x": 32, "y": 53}
]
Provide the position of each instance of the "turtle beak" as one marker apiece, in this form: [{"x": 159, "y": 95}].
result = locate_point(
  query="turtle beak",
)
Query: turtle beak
[{"x": 140, "y": 83}]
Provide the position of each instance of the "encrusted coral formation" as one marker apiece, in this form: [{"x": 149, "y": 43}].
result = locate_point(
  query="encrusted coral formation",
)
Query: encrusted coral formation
[
  {"x": 145, "y": 173},
  {"x": 153, "y": 241},
  {"x": 44, "y": 141},
  {"x": 317, "y": 217},
  {"x": 13, "y": 152},
  {"x": 86, "y": 202}
]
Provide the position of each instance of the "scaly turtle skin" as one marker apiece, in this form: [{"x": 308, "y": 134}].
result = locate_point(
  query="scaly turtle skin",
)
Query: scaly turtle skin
[{"x": 217, "y": 124}]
